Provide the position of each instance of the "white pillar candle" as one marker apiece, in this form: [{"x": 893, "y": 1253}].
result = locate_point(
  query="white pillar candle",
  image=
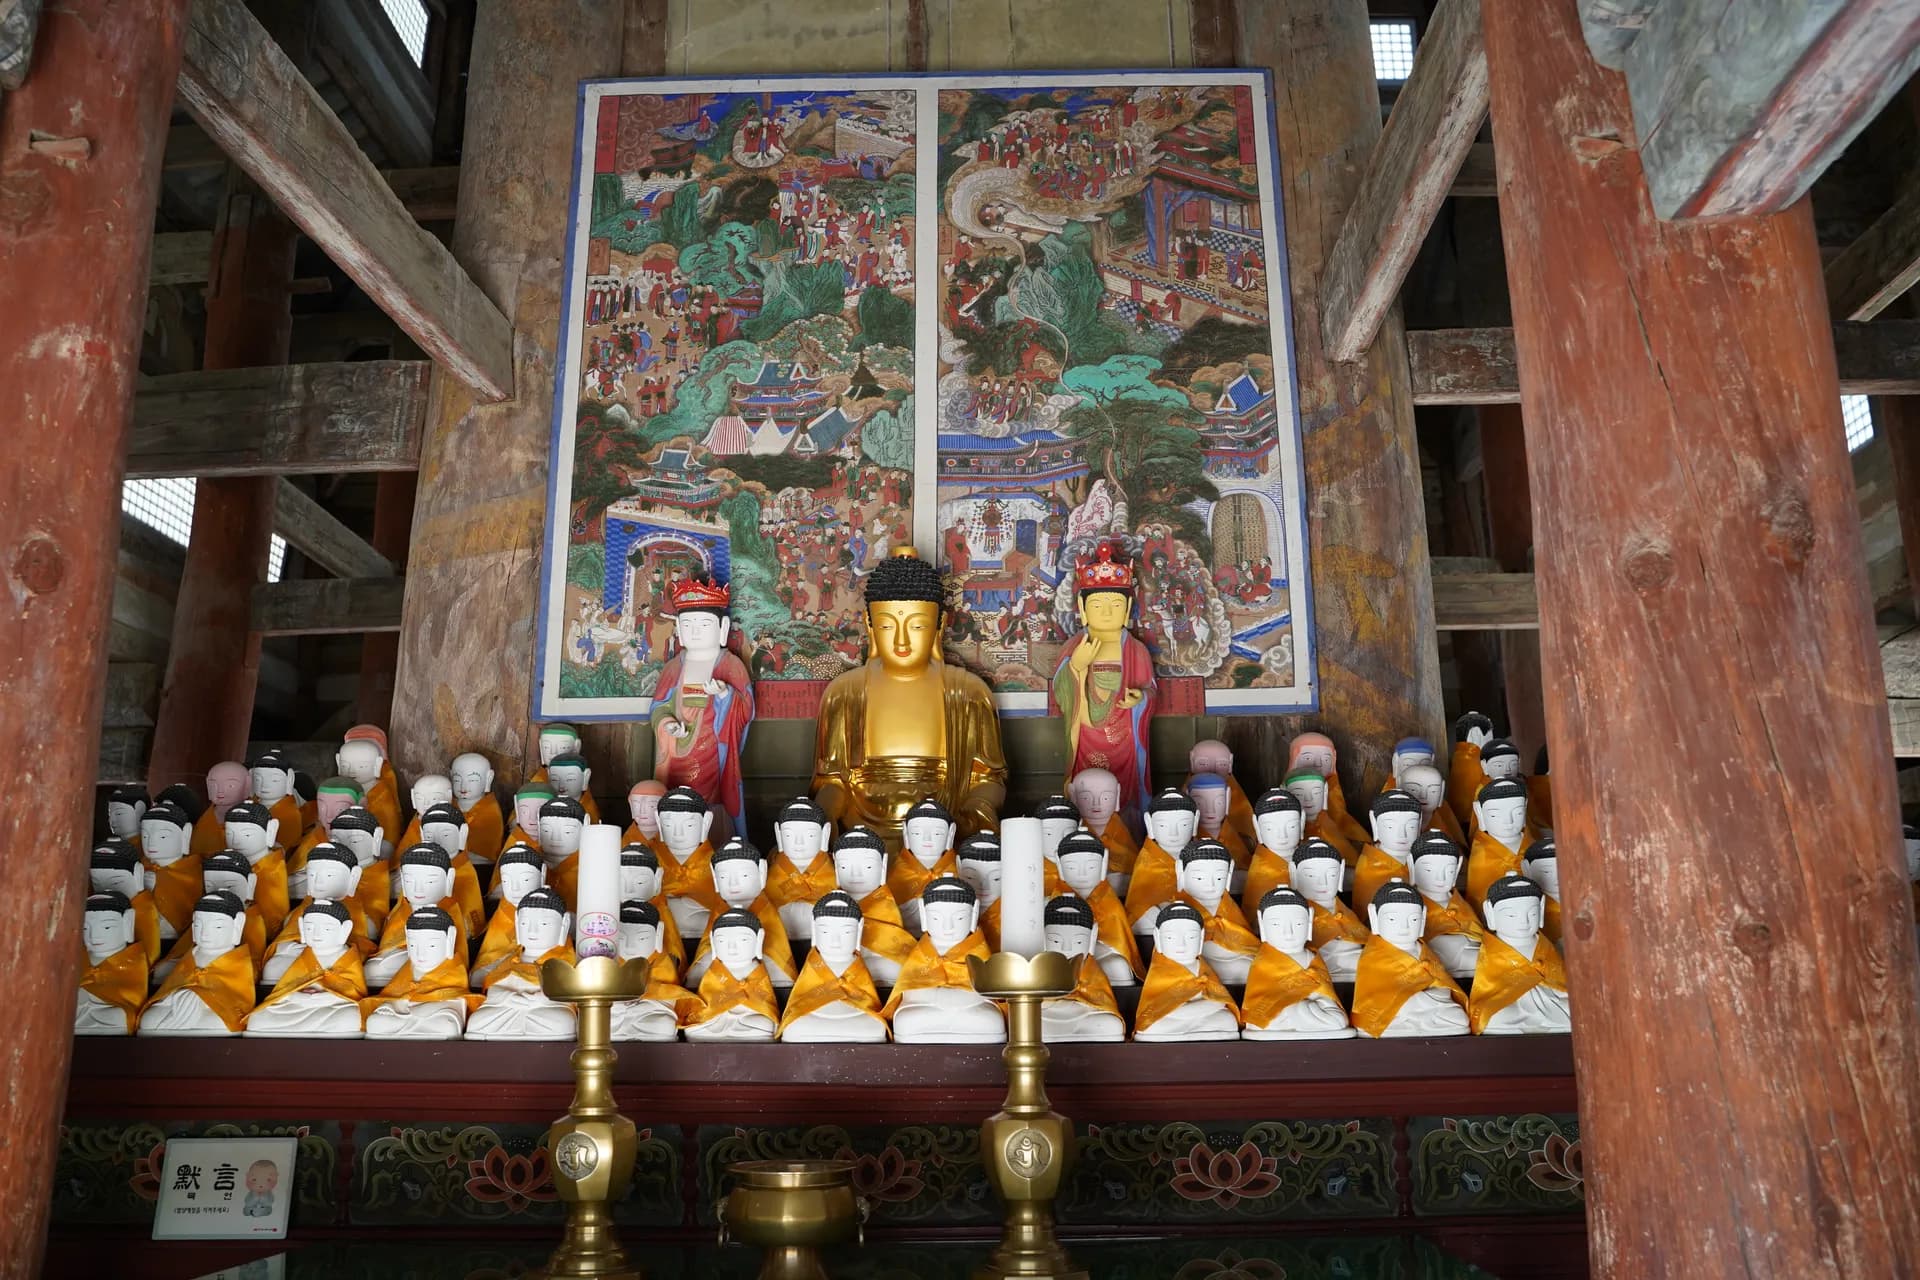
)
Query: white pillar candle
[
  {"x": 1023, "y": 887},
  {"x": 596, "y": 917}
]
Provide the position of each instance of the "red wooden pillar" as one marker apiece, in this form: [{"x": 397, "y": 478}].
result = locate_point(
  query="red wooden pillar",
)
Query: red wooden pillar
[
  {"x": 380, "y": 651},
  {"x": 76, "y": 226},
  {"x": 213, "y": 664},
  {"x": 1509, "y": 502},
  {"x": 1740, "y": 936}
]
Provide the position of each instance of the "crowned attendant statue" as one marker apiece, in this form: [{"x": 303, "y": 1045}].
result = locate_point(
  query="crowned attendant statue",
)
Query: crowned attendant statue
[
  {"x": 1541, "y": 864},
  {"x": 1402, "y": 989},
  {"x": 1500, "y": 836},
  {"x": 934, "y": 1002},
  {"x": 1520, "y": 986},
  {"x": 736, "y": 996},
  {"x": 472, "y": 776},
  {"x": 740, "y": 880},
  {"x": 665, "y": 1004},
  {"x": 333, "y": 873},
  {"x": 320, "y": 993},
  {"x": 1278, "y": 824},
  {"x": 907, "y": 725},
  {"x": 1096, "y": 794},
  {"x": 125, "y": 807},
  {"x": 1182, "y": 998},
  {"x": 686, "y": 860},
  {"x": 115, "y": 867},
  {"x": 802, "y": 870},
  {"x": 1088, "y": 1013},
  {"x": 1290, "y": 994},
  {"x": 113, "y": 985},
  {"x": 227, "y": 785},
  {"x": 1083, "y": 869},
  {"x": 1206, "y": 869},
  {"x": 1210, "y": 755},
  {"x": 427, "y": 999},
  {"x": 1396, "y": 818},
  {"x": 210, "y": 992},
  {"x": 1453, "y": 927},
  {"x": 926, "y": 854},
  {"x": 1171, "y": 819},
  {"x": 172, "y": 868},
  {"x": 516, "y": 1008},
  {"x": 860, "y": 870},
  {"x": 1104, "y": 683},
  {"x": 834, "y": 1001},
  {"x": 1338, "y": 934},
  {"x": 703, "y": 703}
]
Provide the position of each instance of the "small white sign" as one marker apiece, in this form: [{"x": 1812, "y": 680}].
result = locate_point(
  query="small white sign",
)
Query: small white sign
[{"x": 225, "y": 1189}]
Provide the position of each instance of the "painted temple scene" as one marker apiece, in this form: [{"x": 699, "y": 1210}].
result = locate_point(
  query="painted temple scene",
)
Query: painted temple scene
[
  {"x": 743, "y": 387},
  {"x": 1107, "y": 344}
]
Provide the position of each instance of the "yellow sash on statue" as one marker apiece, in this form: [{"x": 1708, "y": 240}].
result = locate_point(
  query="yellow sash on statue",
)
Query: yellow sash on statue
[
  {"x": 663, "y": 986},
  {"x": 1375, "y": 867},
  {"x": 225, "y": 986},
  {"x": 1504, "y": 975},
  {"x": 818, "y": 986},
  {"x": 787, "y": 885},
  {"x": 1277, "y": 982},
  {"x": 1240, "y": 814},
  {"x": 1327, "y": 827},
  {"x": 884, "y": 933},
  {"x": 1551, "y": 925},
  {"x": 120, "y": 980},
  {"x": 345, "y": 978},
  {"x": 363, "y": 940},
  {"x": 1091, "y": 988},
  {"x": 1122, "y": 849},
  {"x": 1112, "y": 927},
  {"x": 1355, "y": 832},
  {"x": 176, "y": 887},
  {"x": 383, "y": 802},
  {"x": 448, "y": 981},
  {"x": 1540, "y": 800},
  {"x": 1465, "y": 777},
  {"x": 394, "y": 936},
  {"x": 1389, "y": 977},
  {"x": 1337, "y": 925},
  {"x": 292, "y": 824},
  {"x": 1487, "y": 862},
  {"x": 927, "y": 968},
  {"x": 270, "y": 888},
  {"x": 1169, "y": 985},
  {"x": 209, "y": 834},
  {"x": 528, "y": 970},
  {"x": 375, "y": 894},
  {"x": 720, "y": 992},
  {"x": 146, "y": 927},
  {"x": 776, "y": 948},
  {"x": 907, "y": 878},
  {"x": 1226, "y": 928},
  {"x": 1156, "y": 881},
  {"x": 1265, "y": 873},
  {"x": 691, "y": 879},
  {"x": 1457, "y": 916}
]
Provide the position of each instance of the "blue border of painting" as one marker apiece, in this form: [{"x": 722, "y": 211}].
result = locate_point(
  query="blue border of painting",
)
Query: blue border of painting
[{"x": 537, "y": 684}]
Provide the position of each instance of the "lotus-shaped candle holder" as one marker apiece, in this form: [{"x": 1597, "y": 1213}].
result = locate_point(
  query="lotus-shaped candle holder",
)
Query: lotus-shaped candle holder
[{"x": 1007, "y": 974}]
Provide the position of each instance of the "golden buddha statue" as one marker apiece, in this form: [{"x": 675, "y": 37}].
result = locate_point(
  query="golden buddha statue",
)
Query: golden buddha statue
[{"x": 908, "y": 726}]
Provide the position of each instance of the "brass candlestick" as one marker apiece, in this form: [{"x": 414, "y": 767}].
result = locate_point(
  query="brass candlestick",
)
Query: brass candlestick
[
  {"x": 592, "y": 1145},
  {"x": 1027, "y": 1145}
]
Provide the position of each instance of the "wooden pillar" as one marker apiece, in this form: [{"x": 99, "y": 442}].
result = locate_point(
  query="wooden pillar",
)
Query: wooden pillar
[
  {"x": 80, "y": 154},
  {"x": 1509, "y": 502},
  {"x": 473, "y": 570},
  {"x": 213, "y": 664},
  {"x": 1379, "y": 666},
  {"x": 393, "y": 498},
  {"x": 1739, "y": 930},
  {"x": 1898, "y": 419}
]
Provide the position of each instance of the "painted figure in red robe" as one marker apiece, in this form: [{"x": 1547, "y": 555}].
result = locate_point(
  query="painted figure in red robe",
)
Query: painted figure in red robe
[
  {"x": 703, "y": 704},
  {"x": 1104, "y": 683}
]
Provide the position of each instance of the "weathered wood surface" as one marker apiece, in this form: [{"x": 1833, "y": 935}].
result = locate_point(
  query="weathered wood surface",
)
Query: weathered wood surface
[
  {"x": 393, "y": 500},
  {"x": 70, "y": 324},
  {"x": 19, "y": 22},
  {"x": 1379, "y": 665},
  {"x": 1703, "y": 575},
  {"x": 1869, "y": 274},
  {"x": 281, "y": 420},
  {"x": 1509, "y": 506},
  {"x": 181, "y": 257},
  {"x": 1477, "y": 366},
  {"x": 1738, "y": 107},
  {"x": 132, "y": 690},
  {"x": 213, "y": 663},
  {"x": 255, "y": 103},
  {"x": 1484, "y": 602},
  {"x": 1611, "y": 26},
  {"x": 428, "y": 195},
  {"x": 1476, "y": 177},
  {"x": 1896, "y": 420},
  {"x": 1904, "y": 716},
  {"x": 466, "y": 652},
  {"x": 319, "y": 535},
  {"x": 1215, "y": 32},
  {"x": 327, "y": 606},
  {"x": 1408, "y": 177}
]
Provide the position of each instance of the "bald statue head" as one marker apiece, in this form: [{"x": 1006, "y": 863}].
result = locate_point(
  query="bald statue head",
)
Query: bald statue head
[
  {"x": 643, "y": 802},
  {"x": 1210, "y": 755},
  {"x": 227, "y": 785},
  {"x": 1096, "y": 794},
  {"x": 472, "y": 777}
]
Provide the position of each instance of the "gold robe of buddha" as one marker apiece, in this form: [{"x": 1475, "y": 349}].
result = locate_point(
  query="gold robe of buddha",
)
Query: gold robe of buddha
[
  {"x": 120, "y": 980},
  {"x": 1265, "y": 873},
  {"x": 1503, "y": 975},
  {"x": 818, "y": 987}
]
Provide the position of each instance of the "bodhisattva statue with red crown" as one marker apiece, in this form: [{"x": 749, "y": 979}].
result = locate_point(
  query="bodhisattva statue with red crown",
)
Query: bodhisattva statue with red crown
[
  {"x": 703, "y": 704},
  {"x": 1104, "y": 683}
]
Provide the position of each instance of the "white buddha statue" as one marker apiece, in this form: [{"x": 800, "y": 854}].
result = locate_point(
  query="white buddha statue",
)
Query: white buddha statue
[
  {"x": 319, "y": 996},
  {"x": 1095, "y": 794},
  {"x": 1520, "y": 986},
  {"x": 1290, "y": 994},
  {"x": 860, "y": 871},
  {"x": 1402, "y": 989},
  {"x": 425, "y": 880},
  {"x": 356, "y": 830},
  {"x": 1541, "y": 864},
  {"x": 1317, "y": 873},
  {"x": 1500, "y": 812},
  {"x": 1088, "y": 1013},
  {"x": 1452, "y": 929},
  {"x": 1058, "y": 820},
  {"x": 685, "y": 822},
  {"x": 737, "y": 1000},
  {"x": 1206, "y": 876},
  {"x": 740, "y": 879},
  {"x": 1500, "y": 758},
  {"x": 430, "y": 789},
  {"x": 1084, "y": 865},
  {"x": 570, "y": 775},
  {"x": 657, "y": 1013},
  {"x": 333, "y": 874},
  {"x": 562, "y": 823},
  {"x": 1425, "y": 783},
  {"x": 834, "y": 1001},
  {"x": 126, "y": 806},
  {"x": 934, "y": 1001},
  {"x": 210, "y": 992},
  {"x": 1278, "y": 825},
  {"x": 1172, "y": 818},
  {"x": 113, "y": 985},
  {"x": 515, "y": 1007},
  {"x": 1407, "y": 753},
  {"x": 1183, "y": 999},
  {"x": 978, "y": 863},
  {"x": 927, "y": 837},
  {"x": 800, "y": 837},
  {"x": 427, "y": 999},
  {"x": 166, "y": 840}
]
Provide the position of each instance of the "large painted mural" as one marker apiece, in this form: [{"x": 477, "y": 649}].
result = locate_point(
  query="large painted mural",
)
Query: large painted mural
[{"x": 1003, "y": 319}]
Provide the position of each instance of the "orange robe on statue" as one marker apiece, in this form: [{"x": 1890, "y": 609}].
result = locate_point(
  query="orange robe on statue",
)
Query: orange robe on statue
[
  {"x": 1551, "y": 923},
  {"x": 176, "y": 887},
  {"x": 486, "y": 829},
  {"x": 209, "y": 834},
  {"x": 383, "y": 802},
  {"x": 1540, "y": 800},
  {"x": 1465, "y": 777},
  {"x": 346, "y": 978},
  {"x": 146, "y": 927},
  {"x": 1375, "y": 867},
  {"x": 1169, "y": 985},
  {"x": 1327, "y": 827},
  {"x": 270, "y": 889},
  {"x": 926, "y": 968},
  {"x": 720, "y": 992},
  {"x": 393, "y": 937},
  {"x": 1351, "y": 828},
  {"x": 1111, "y": 926},
  {"x": 1265, "y": 873},
  {"x": 1156, "y": 881},
  {"x": 1337, "y": 925},
  {"x": 1240, "y": 814},
  {"x": 1504, "y": 975},
  {"x": 293, "y": 824},
  {"x": 528, "y": 970},
  {"x": 1486, "y": 862},
  {"x": 1458, "y": 916},
  {"x": 1389, "y": 977},
  {"x": 1091, "y": 988},
  {"x": 884, "y": 933},
  {"x": 1122, "y": 848},
  {"x": 691, "y": 879},
  {"x": 1277, "y": 982},
  {"x": 776, "y": 948},
  {"x": 364, "y": 935},
  {"x": 1226, "y": 928},
  {"x": 225, "y": 986},
  {"x": 120, "y": 980},
  {"x": 908, "y": 878},
  {"x": 818, "y": 986},
  {"x": 788, "y": 885},
  {"x": 448, "y": 981}
]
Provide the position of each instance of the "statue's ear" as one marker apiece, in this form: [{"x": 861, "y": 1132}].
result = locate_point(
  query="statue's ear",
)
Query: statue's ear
[
  {"x": 273, "y": 832},
  {"x": 353, "y": 880},
  {"x": 1373, "y": 918}
]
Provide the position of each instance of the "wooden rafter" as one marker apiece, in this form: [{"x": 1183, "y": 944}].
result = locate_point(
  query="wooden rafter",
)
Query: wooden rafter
[
  {"x": 319, "y": 535},
  {"x": 1881, "y": 265},
  {"x": 328, "y": 606}
]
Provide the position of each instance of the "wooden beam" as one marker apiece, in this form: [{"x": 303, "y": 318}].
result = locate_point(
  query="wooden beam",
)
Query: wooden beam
[
  {"x": 386, "y": 88},
  {"x": 1476, "y": 177},
  {"x": 180, "y": 257},
  {"x": 1611, "y": 26},
  {"x": 1477, "y": 366},
  {"x": 318, "y": 533},
  {"x": 256, "y": 104},
  {"x": 328, "y": 606},
  {"x": 189, "y": 147},
  {"x": 1896, "y": 419},
  {"x": 1881, "y": 265},
  {"x": 1409, "y": 174},
  {"x": 1485, "y": 602},
  {"x": 429, "y": 195},
  {"x": 1738, "y": 107},
  {"x": 285, "y": 420},
  {"x": 1695, "y": 508},
  {"x": 1903, "y": 716}
]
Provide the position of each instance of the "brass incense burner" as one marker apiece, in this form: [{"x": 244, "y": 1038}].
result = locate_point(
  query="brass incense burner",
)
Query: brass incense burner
[
  {"x": 592, "y": 1145},
  {"x": 792, "y": 1209},
  {"x": 1027, "y": 1145}
]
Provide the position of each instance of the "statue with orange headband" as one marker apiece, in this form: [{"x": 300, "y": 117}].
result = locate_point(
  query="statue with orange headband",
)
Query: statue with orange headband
[
  {"x": 1104, "y": 683},
  {"x": 703, "y": 703}
]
